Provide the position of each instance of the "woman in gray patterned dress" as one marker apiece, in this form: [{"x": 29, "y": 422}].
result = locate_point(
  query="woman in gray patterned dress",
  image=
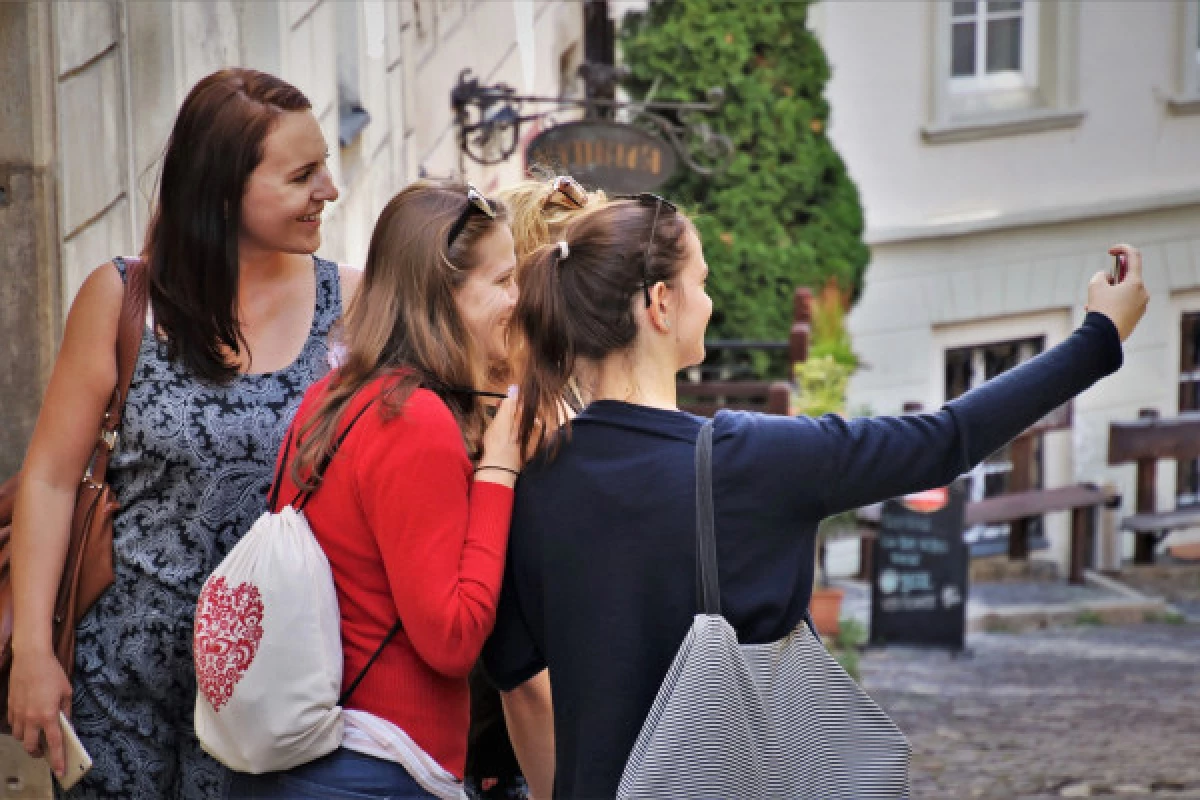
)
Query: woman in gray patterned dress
[{"x": 240, "y": 309}]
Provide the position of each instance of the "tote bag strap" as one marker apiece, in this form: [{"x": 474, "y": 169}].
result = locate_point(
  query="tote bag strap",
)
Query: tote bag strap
[{"x": 708, "y": 594}]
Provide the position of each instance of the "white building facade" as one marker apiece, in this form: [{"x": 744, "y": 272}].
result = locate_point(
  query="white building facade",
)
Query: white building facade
[
  {"x": 1000, "y": 148},
  {"x": 92, "y": 88}
]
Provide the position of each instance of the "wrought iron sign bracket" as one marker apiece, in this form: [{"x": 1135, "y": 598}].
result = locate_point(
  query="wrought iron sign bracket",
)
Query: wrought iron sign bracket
[{"x": 489, "y": 120}]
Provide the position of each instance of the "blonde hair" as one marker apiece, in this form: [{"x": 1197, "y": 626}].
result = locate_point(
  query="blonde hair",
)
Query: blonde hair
[{"x": 535, "y": 222}]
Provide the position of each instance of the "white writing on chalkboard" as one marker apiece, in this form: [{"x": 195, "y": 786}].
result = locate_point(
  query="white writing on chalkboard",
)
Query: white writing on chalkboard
[
  {"x": 919, "y": 577},
  {"x": 925, "y": 602},
  {"x": 915, "y": 523}
]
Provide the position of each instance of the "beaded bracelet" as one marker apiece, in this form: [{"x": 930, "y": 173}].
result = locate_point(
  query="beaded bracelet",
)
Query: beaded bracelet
[{"x": 513, "y": 472}]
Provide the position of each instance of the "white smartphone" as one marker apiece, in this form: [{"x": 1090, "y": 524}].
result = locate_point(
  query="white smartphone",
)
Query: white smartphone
[{"x": 78, "y": 760}]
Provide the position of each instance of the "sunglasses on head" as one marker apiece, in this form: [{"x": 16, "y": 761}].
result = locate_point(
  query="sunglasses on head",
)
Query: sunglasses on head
[
  {"x": 649, "y": 199},
  {"x": 475, "y": 202},
  {"x": 565, "y": 188}
]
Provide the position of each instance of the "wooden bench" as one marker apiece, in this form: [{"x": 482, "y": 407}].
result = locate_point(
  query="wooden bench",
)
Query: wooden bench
[
  {"x": 716, "y": 389},
  {"x": 1144, "y": 442},
  {"x": 1084, "y": 501},
  {"x": 1022, "y": 503}
]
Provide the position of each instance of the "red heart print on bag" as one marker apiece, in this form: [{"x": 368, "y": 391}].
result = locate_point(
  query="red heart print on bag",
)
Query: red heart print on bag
[{"x": 227, "y": 632}]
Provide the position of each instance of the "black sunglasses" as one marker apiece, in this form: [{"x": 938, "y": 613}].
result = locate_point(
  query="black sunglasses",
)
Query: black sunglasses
[
  {"x": 648, "y": 199},
  {"x": 475, "y": 202}
]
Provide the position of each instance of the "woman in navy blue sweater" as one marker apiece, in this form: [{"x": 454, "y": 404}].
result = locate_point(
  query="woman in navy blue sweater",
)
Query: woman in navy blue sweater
[{"x": 600, "y": 586}]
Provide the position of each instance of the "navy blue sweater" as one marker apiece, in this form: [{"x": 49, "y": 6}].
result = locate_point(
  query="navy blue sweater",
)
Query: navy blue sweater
[{"x": 600, "y": 583}]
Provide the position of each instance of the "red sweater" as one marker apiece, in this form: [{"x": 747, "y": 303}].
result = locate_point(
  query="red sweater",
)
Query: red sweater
[{"x": 407, "y": 532}]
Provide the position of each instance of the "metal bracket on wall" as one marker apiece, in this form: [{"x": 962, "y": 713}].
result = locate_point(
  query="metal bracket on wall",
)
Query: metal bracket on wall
[{"x": 489, "y": 121}]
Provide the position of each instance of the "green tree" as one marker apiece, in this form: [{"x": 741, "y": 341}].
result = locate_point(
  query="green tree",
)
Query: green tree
[{"x": 785, "y": 213}]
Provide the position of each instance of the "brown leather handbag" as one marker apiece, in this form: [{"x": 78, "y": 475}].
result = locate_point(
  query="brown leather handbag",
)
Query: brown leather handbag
[{"x": 88, "y": 569}]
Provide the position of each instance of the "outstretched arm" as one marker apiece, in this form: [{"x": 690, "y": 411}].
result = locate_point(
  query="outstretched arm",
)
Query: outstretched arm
[{"x": 876, "y": 458}]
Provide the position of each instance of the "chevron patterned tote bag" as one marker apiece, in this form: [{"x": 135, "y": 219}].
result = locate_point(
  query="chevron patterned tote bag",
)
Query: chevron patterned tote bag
[{"x": 775, "y": 720}]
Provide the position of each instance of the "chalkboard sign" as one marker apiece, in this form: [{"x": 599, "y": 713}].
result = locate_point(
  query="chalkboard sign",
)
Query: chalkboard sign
[{"x": 919, "y": 572}]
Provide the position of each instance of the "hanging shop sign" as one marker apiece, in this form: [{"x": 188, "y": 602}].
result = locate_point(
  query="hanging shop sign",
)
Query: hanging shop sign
[{"x": 618, "y": 158}]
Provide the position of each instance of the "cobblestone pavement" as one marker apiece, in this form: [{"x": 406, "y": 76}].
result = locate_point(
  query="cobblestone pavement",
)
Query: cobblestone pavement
[{"x": 1067, "y": 712}]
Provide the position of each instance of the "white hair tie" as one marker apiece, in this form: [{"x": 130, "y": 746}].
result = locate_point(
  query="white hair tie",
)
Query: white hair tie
[{"x": 563, "y": 250}]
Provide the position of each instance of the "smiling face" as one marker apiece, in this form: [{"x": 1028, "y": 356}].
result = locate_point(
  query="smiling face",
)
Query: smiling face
[
  {"x": 487, "y": 297},
  {"x": 287, "y": 191}
]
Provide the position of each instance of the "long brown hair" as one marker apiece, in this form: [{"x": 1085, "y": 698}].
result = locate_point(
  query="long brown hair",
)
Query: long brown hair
[
  {"x": 403, "y": 322},
  {"x": 583, "y": 306},
  {"x": 192, "y": 241}
]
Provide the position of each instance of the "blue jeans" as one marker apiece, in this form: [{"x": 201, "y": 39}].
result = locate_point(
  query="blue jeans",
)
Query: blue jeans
[{"x": 341, "y": 775}]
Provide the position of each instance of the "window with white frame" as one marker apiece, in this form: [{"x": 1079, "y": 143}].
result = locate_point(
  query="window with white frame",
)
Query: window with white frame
[
  {"x": 1192, "y": 47},
  {"x": 1002, "y": 67},
  {"x": 1187, "y": 485},
  {"x": 993, "y": 45},
  {"x": 1195, "y": 30},
  {"x": 967, "y": 368},
  {"x": 1187, "y": 26}
]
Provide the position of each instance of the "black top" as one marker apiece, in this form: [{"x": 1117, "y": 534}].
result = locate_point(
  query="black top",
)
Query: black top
[{"x": 600, "y": 584}]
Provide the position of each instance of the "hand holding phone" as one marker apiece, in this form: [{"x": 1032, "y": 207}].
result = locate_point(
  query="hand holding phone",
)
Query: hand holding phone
[
  {"x": 1120, "y": 269},
  {"x": 78, "y": 762},
  {"x": 1120, "y": 293}
]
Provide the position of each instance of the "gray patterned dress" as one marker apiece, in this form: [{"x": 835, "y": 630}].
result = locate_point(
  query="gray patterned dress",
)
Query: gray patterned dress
[{"x": 191, "y": 473}]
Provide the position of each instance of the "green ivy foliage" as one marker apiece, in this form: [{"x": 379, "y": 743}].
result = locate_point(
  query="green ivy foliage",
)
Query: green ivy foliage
[{"x": 785, "y": 213}]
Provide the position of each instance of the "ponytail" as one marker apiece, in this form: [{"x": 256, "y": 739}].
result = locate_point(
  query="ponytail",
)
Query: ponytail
[
  {"x": 542, "y": 317},
  {"x": 576, "y": 302}
]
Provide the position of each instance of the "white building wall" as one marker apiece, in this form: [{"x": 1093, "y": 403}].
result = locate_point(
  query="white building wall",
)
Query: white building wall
[
  {"x": 994, "y": 237},
  {"x": 1129, "y": 145}
]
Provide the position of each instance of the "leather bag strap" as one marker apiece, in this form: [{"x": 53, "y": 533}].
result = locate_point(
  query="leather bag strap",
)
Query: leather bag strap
[{"x": 129, "y": 342}]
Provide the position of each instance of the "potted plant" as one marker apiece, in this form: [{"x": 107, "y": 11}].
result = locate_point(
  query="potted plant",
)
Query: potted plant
[{"x": 820, "y": 388}]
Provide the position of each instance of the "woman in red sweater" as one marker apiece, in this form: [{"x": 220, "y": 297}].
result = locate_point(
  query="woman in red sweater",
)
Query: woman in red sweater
[{"x": 413, "y": 510}]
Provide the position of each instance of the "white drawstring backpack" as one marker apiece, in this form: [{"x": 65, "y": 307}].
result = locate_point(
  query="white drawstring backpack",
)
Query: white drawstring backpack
[{"x": 268, "y": 644}]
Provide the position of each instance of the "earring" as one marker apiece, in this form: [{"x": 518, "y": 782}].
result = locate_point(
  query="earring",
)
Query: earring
[{"x": 667, "y": 324}]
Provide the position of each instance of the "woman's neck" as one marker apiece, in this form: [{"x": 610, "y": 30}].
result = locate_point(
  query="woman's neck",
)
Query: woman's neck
[
  {"x": 630, "y": 378},
  {"x": 256, "y": 267}
]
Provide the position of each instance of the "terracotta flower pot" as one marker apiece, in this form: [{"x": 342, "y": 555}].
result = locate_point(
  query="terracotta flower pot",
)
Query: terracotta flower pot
[{"x": 826, "y": 609}]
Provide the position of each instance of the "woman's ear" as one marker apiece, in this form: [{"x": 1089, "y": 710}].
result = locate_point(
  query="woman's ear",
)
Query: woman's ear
[{"x": 660, "y": 310}]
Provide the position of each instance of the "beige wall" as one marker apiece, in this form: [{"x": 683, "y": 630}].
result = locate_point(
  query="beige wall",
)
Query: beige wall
[
  {"x": 92, "y": 88},
  {"x": 118, "y": 93},
  {"x": 30, "y": 313}
]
